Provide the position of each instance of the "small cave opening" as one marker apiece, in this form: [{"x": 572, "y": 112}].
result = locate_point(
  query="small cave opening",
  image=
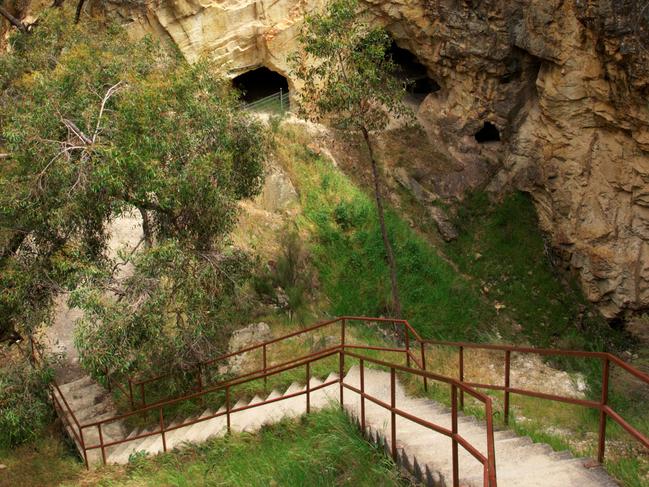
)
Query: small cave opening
[
  {"x": 259, "y": 83},
  {"x": 488, "y": 133},
  {"x": 520, "y": 65},
  {"x": 412, "y": 72}
]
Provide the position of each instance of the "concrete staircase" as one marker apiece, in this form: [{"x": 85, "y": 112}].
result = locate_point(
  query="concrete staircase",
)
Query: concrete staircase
[
  {"x": 91, "y": 403},
  {"x": 427, "y": 454}
]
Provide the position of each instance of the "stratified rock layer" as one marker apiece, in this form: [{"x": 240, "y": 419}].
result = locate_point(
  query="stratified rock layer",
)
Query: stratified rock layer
[{"x": 564, "y": 81}]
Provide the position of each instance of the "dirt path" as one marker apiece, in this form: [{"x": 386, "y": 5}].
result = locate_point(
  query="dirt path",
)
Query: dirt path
[{"x": 126, "y": 233}]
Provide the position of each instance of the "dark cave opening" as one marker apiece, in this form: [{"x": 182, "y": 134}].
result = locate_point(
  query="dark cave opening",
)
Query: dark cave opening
[
  {"x": 488, "y": 133},
  {"x": 412, "y": 72},
  {"x": 259, "y": 83}
]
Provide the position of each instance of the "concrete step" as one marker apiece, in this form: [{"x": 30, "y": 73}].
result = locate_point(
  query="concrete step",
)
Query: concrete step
[
  {"x": 519, "y": 461},
  {"x": 70, "y": 387},
  {"x": 427, "y": 453},
  {"x": 274, "y": 394},
  {"x": 293, "y": 388}
]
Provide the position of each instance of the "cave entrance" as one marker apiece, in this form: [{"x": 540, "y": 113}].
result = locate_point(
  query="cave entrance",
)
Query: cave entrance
[
  {"x": 488, "y": 133},
  {"x": 412, "y": 72},
  {"x": 259, "y": 84}
]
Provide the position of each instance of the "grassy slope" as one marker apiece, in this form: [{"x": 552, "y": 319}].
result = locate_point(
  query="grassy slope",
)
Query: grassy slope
[
  {"x": 451, "y": 291},
  {"x": 451, "y": 300},
  {"x": 446, "y": 291},
  {"x": 322, "y": 449},
  {"x": 348, "y": 251}
]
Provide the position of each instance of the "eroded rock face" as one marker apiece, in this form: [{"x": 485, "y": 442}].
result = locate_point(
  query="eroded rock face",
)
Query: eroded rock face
[{"x": 564, "y": 82}]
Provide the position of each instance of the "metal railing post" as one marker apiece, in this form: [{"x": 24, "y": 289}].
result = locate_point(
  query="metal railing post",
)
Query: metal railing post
[
  {"x": 393, "y": 415},
  {"x": 227, "y": 407},
  {"x": 341, "y": 364},
  {"x": 462, "y": 377},
  {"x": 130, "y": 392},
  {"x": 407, "y": 338},
  {"x": 491, "y": 447},
  {"x": 308, "y": 388},
  {"x": 456, "y": 467},
  {"x": 362, "y": 365},
  {"x": 601, "y": 447},
  {"x": 281, "y": 100},
  {"x": 83, "y": 446},
  {"x": 508, "y": 356},
  {"x": 263, "y": 353},
  {"x": 200, "y": 377},
  {"x": 162, "y": 431},
  {"x": 142, "y": 394},
  {"x": 341, "y": 373},
  {"x": 101, "y": 444},
  {"x": 423, "y": 364}
]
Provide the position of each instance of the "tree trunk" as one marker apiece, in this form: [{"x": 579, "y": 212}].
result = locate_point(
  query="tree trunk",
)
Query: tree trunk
[
  {"x": 146, "y": 228},
  {"x": 77, "y": 14},
  {"x": 396, "y": 302},
  {"x": 12, "y": 246},
  {"x": 12, "y": 20}
]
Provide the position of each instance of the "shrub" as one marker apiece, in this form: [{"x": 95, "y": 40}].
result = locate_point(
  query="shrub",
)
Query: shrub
[{"x": 24, "y": 404}]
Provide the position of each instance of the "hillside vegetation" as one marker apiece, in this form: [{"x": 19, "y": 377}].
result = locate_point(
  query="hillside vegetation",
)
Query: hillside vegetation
[
  {"x": 173, "y": 145},
  {"x": 321, "y": 449}
]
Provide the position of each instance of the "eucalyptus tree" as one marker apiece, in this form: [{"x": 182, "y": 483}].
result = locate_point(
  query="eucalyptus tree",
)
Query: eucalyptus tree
[
  {"x": 348, "y": 80},
  {"x": 93, "y": 125}
]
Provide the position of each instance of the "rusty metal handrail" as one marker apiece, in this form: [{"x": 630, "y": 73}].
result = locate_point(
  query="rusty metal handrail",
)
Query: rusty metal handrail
[
  {"x": 411, "y": 337},
  {"x": 200, "y": 367},
  {"x": 602, "y": 405},
  {"x": 54, "y": 387},
  {"x": 488, "y": 460}
]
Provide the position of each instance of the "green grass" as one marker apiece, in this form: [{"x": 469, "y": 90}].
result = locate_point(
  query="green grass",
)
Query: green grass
[
  {"x": 495, "y": 283},
  {"x": 323, "y": 448},
  {"x": 348, "y": 253},
  {"x": 502, "y": 246},
  {"x": 46, "y": 462}
]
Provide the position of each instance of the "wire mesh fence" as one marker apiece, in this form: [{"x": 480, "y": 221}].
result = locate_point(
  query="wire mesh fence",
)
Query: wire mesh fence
[{"x": 277, "y": 103}]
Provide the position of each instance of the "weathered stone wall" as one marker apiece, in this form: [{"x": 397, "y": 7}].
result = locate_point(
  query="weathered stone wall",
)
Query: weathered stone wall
[{"x": 565, "y": 81}]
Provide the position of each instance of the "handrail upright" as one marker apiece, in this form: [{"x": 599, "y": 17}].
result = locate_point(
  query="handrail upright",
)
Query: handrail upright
[
  {"x": 454, "y": 430},
  {"x": 393, "y": 414},
  {"x": 508, "y": 356},
  {"x": 602, "y": 413}
]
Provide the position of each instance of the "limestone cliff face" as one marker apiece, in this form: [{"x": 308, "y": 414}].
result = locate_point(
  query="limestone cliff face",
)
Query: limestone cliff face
[{"x": 566, "y": 82}]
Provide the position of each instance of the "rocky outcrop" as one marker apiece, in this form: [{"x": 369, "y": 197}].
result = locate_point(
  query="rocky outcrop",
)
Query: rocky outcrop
[
  {"x": 248, "y": 336},
  {"x": 563, "y": 84}
]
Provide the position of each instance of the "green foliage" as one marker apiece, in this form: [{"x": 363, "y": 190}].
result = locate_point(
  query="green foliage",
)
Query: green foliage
[
  {"x": 503, "y": 247},
  {"x": 292, "y": 273},
  {"x": 348, "y": 76},
  {"x": 97, "y": 125},
  {"x": 24, "y": 408},
  {"x": 348, "y": 252},
  {"x": 349, "y": 79},
  {"x": 174, "y": 311}
]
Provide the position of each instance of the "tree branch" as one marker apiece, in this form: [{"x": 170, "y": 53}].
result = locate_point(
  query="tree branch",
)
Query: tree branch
[
  {"x": 77, "y": 14},
  {"x": 111, "y": 91},
  {"x": 12, "y": 20},
  {"x": 12, "y": 247}
]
